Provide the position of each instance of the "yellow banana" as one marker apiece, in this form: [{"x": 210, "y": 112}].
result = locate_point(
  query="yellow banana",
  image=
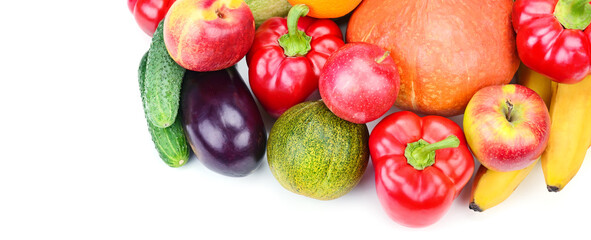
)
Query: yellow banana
[
  {"x": 535, "y": 81},
  {"x": 491, "y": 187},
  {"x": 570, "y": 133}
]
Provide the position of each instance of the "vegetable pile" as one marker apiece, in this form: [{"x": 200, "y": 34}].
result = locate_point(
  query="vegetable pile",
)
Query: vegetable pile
[{"x": 436, "y": 58}]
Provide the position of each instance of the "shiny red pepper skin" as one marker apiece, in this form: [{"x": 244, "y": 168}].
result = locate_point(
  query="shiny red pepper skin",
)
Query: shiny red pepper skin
[
  {"x": 131, "y": 5},
  {"x": 148, "y": 13},
  {"x": 411, "y": 197},
  {"x": 280, "y": 82},
  {"x": 545, "y": 46}
]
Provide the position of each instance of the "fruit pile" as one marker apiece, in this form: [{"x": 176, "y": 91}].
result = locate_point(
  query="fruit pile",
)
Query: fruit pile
[{"x": 435, "y": 58}]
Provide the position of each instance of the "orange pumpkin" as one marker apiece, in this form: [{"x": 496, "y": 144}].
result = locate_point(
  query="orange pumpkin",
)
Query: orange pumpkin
[{"x": 445, "y": 50}]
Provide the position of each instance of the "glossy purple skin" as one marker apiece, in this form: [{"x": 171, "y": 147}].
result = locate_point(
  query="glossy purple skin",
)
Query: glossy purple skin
[{"x": 222, "y": 122}]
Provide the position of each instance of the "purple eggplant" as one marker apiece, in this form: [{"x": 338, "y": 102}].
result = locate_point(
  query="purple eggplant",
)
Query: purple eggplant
[{"x": 222, "y": 122}]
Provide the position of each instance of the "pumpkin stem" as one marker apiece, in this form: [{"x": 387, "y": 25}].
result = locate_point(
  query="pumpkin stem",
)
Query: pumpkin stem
[
  {"x": 295, "y": 42},
  {"x": 573, "y": 14}
]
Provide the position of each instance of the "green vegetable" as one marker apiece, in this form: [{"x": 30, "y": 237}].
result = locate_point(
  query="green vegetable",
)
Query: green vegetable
[
  {"x": 163, "y": 83},
  {"x": 170, "y": 142},
  {"x": 314, "y": 153},
  {"x": 265, "y": 9}
]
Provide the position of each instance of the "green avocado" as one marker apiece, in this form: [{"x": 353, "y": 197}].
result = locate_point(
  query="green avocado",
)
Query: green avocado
[
  {"x": 314, "y": 153},
  {"x": 265, "y": 9}
]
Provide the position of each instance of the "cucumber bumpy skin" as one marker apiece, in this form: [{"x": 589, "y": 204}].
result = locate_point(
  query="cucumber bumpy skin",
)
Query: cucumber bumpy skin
[
  {"x": 170, "y": 142},
  {"x": 164, "y": 78}
]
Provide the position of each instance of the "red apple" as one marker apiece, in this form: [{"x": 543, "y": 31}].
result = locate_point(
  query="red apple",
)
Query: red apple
[
  {"x": 208, "y": 35},
  {"x": 506, "y": 126},
  {"x": 359, "y": 82}
]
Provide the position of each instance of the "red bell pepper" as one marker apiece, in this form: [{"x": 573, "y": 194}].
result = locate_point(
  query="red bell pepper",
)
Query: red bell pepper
[
  {"x": 421, "y": 166},
  {"x": 286, "y": 58},
  {"x": 554, "y": 37},
  {"x": 148, "y": 13},
  {"x": 131, "y": 5}
]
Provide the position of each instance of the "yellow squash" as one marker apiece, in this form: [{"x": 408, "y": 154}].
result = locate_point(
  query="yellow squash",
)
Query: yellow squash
[{"x": 570, "y": 133}]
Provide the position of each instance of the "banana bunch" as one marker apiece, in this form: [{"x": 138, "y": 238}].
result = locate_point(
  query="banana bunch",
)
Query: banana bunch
[
  {"x": 570, "y": 133},
  {"x": 570, "y": 137}
]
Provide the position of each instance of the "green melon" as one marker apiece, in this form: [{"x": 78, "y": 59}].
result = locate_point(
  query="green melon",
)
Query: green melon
[
  {"x": 265, "y": 9},
  {"x": 314, "y": 153}
]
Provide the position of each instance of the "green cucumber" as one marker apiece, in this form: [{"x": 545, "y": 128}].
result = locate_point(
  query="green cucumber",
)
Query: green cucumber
[
  {"x": 170, "y": 141},
  {"x": 314, "y": 153},
  {"x": 163, "y": 83}
]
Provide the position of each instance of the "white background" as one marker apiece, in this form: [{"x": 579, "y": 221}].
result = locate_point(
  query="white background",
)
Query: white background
[{"x": 77, "y": 162}]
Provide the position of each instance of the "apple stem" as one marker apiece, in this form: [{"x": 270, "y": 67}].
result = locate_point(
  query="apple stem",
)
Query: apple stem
[
  {"x": 573, "y": 14},
  {"x": 509, "y": 110},
  {"x": 295, "y": 43},
  {"x": 381, "y": 59},
  {"x": 421, "y": 154}
]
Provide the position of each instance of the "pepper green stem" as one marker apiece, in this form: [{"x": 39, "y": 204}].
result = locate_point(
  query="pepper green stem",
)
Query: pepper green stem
[
  {"x": 421, "y": 154},
  {"x": 295, "y": 42},
  {"x": 573, "y": 14}
]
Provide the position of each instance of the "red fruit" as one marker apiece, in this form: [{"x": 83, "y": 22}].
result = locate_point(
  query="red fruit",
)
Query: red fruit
[
  {"x": 359, "y": 82},
  {"x": 507, "y": 127},
  {"x": 208, "y": 35},
  {"x": 149, "y": 13}
]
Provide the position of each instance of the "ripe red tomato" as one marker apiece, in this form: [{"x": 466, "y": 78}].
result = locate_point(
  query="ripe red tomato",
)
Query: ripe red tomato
[
  {"x": 131, "y": 5},
  {"x": 148, "y": 13}
]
